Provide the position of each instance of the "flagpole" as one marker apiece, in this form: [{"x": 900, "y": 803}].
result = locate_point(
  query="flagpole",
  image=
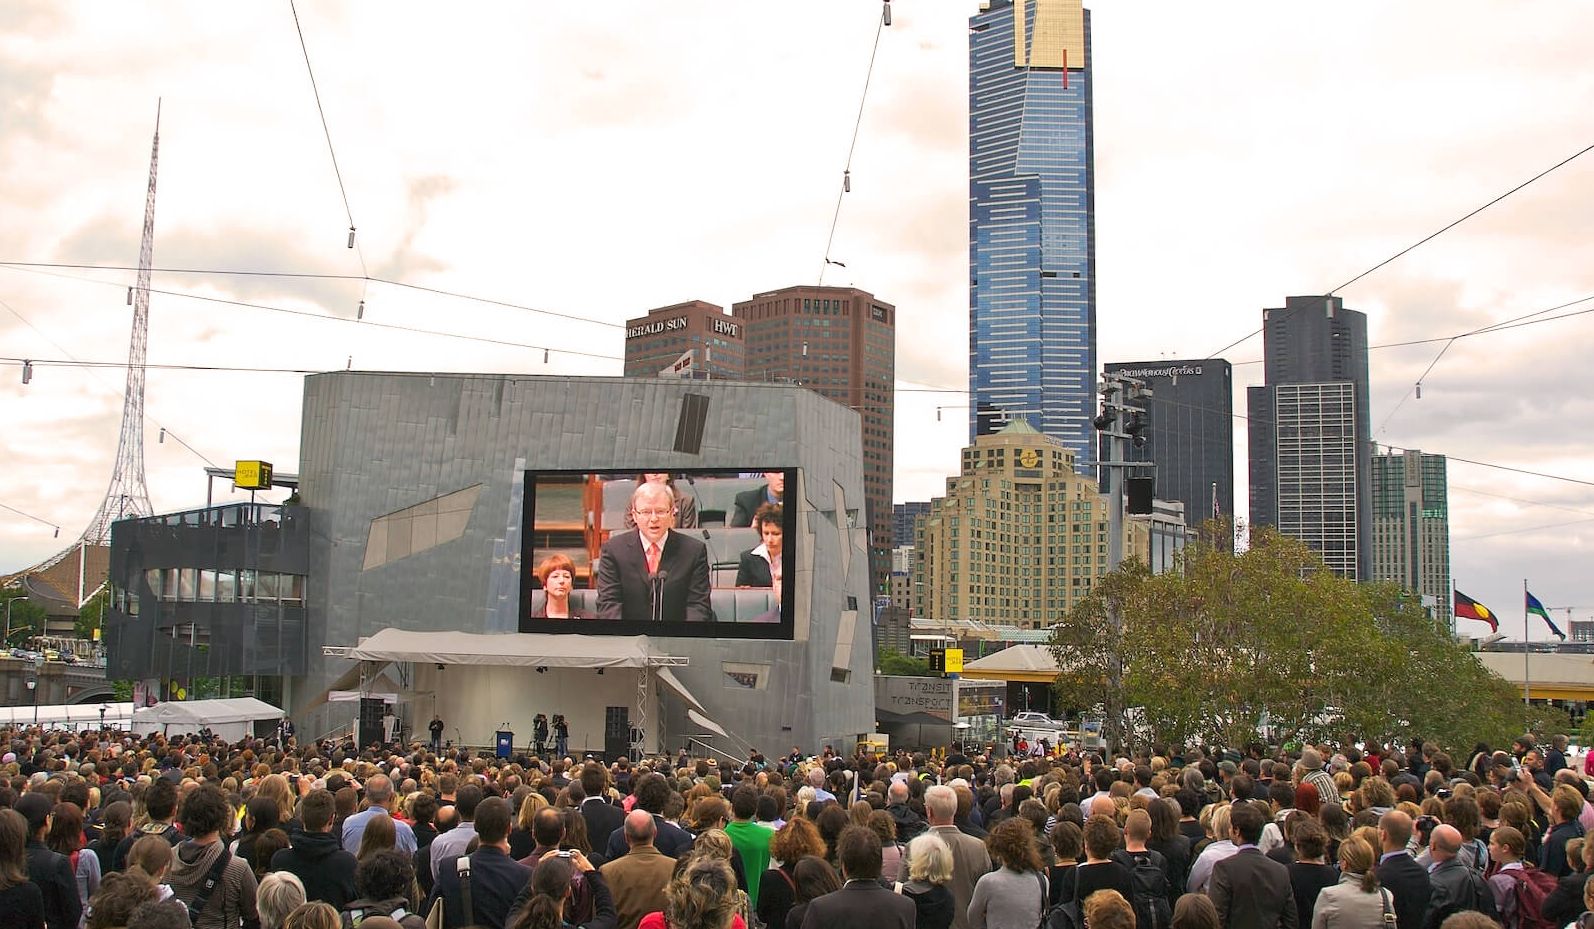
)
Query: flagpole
[{"x": 1527, "y": 688}]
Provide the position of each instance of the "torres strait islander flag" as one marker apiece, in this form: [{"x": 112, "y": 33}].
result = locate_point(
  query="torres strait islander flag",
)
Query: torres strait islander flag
[
  {"x": 1535, "y": 608},
  {"x": 1468, "y": 608}
]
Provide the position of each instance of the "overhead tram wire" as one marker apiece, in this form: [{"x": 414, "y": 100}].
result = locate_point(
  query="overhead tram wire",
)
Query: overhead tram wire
[
  {"x": 44, "y": 267},
  {"x": 857, "y": 125},
  {"x": 113, "y": 388},
  {"x": 327, "y": 131},
  {"x": 36, "y": 519},
  {"x": 1501, "y": 326},
  {"x": 1431, "y": 236}
]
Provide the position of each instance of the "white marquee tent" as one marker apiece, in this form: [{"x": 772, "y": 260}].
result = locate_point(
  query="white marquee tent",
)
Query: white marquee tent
[{"x": 232, "y": 718}]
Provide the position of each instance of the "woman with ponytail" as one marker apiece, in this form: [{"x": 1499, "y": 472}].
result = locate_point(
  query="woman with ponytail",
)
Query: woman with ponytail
[
  {"x": 1356, "y": 902},
  {"x": 542, "y": 904}
]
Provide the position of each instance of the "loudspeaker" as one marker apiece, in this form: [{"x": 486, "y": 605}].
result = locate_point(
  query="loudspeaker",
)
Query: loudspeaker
[
  {"x": 689, "y": 424},
  {"x": 1141, "y": 490},
  {"x": 369, "y": 728},
  {"x": 616, "y": 731}
]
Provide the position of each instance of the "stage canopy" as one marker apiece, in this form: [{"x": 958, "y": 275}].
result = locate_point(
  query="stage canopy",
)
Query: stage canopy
[{"x": 516, "y": 649}]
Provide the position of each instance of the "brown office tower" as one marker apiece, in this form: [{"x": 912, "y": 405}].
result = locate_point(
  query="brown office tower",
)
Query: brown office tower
[
  {"x": 841, "y": 342},
  {"x": 693, "y": 340}
]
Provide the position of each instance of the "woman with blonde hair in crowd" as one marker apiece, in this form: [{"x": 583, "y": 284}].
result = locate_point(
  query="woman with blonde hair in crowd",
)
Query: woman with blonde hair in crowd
[
  {"x": 278, "y": 895},
  {"x": 929, "y": 869},
  {"x": 702, "y": 895},
  {"x": 1356, "y": 902},
  {"x": 313, "y": 915}
]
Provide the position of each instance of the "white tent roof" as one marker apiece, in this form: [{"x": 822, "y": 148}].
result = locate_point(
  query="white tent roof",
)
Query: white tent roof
[
  {"x": 518, "y": 649},
  {"x": 1037, "y": 658},
  {"x": 207, "y": 712},
  {"x": 73, "y": 713}
]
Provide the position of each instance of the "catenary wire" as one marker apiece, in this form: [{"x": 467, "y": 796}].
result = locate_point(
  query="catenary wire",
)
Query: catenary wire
[
  {"x": 846, "y": 173},
  {"x": 4, "y": 506},
  {"x": 327, "y": 131}
]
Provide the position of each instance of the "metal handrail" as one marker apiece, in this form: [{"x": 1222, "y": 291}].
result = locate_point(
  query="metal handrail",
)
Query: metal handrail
[{"x": 690, "y": 740}]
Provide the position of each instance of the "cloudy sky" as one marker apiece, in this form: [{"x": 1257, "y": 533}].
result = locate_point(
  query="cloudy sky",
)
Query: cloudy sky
[{"x": 599, "y": 159}]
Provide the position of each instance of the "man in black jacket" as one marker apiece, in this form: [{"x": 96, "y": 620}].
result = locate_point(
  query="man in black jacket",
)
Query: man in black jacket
[
  {"x": 1456, "y": 885},
  {"x": 863, "y": 902},
  {"x": 652, "y": 792},
  {"x": 314, "y": 857},
  {"x": 1405, "y": 879},
  {"x": 602, "y": 816},
  {"x": 51, "y": 871},
  {"x": 495, "y": 878},
  {"x": 160, "y": 802}
]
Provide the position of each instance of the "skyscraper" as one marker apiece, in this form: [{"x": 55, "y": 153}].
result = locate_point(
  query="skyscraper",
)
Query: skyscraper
[
  {"x": 1310, "y": 439},
  {"x": 840, "y": 342},
  {"x": 1032, "y": 251},
  {"x": 1190, "y": 434},
  {"x": 693, "y": 339},
  {"x": 1411, "y": 527}
]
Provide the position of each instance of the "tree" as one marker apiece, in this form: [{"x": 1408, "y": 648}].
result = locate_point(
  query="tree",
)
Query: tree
[
  {"x": 27, "y": 617},
  {"x": 92, "y": 614},
  {"x": 890, "y": 661},
  {"x": 1267, "y": 640}
]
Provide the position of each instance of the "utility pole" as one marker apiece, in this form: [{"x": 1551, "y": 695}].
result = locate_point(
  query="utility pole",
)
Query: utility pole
[{"x": 1122, "y": 420}]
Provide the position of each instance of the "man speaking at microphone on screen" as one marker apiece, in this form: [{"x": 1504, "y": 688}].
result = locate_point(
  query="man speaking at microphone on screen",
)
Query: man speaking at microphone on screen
[{"x": 653, "y": 561}]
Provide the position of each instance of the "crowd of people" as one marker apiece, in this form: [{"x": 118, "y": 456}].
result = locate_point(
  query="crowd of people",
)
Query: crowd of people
[{"x": 105, "y": 829}]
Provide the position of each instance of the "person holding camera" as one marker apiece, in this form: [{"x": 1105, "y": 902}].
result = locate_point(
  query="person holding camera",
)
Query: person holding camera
[
  {"x": 561, "y": 735},
  {"x": 539, "y": 733}
]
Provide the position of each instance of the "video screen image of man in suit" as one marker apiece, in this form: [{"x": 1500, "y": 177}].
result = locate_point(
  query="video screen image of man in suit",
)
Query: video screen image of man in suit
[
  {"x": 651, "y": 561},
  {"x": 748, "y": 502}
]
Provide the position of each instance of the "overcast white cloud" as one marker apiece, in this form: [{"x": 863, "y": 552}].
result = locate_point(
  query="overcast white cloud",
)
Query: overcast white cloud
[{"x": 603, "y": 158}]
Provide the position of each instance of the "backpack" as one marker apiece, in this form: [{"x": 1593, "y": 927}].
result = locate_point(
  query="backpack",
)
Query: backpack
[
  {"x": 1150, "y": 885},
  {"x": 1532, "y": 887}
]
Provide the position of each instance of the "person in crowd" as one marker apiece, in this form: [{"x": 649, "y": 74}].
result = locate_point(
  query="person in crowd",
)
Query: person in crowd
[
  {"x": 384, "y": 883},
  {"x": 748, "y": 502},
  {"x": 160, "y": 807},
  {"x": 796, "y": 839},
  {"x": 1249, "y": 889},
  {"x": 971, "y": 859},
  {"x": 50, "y": 870},
  {"x": 278, "y": 895},
  {"x": 1456, "y": 885},
  {"x": 1170, "y": 843},
  {"x": 151, "y": 860},
  {"x": 1357, "y": 901},
  {"x": 1506, "y": 849},
  {"x": 1215, "y": 821},
  {"x": 1100, "y": 871},
  {"x": 21, "y": 900},
  {"x": 543, "y": 902},
  {"x": 1014, "y": 896},
  {"x": 158, "y": 914},
  {"x": 380, "y": 834},
  {"x": 1108, "y": 909},
  {"x": 66, "y": 838},
  {"x": 761, "y": 565},
  {"x": 1310, "y": 872},
  {"x": 312, "y": 914},
  {"x": 495, "y": 878},
  {"x": 929, "y": 866},
  {"x": 556, "y": 575},
  {"x": 638, "y": 880},
  {"x": 379, "y": 800},
  {"x": 326, "y": 871},
  {"x": 120, "y": 894},
  {"x": 1400, "y": 873},
  {"x": 1194, "y": 911},
  {"x": 115, "y": 820},
  {"x": 632, "y": 563},
  {"x": 815, "y": 878},
  {"x": 751, "y": 840},
  {"x": 862, "y": 902},
  {"x": 217, "y": 888},
  {"x": 652, "y": 793},
  {"x": 1565, "y": 808}
]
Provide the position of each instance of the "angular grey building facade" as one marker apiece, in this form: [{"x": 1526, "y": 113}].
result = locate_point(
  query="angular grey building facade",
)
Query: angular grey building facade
[
  {"x": 1310, "y": 434},
  {"x": 411, "y": 504}
]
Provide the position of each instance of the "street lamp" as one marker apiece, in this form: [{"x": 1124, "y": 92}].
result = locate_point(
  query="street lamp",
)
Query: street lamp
[
  {"x": 33, "y": 688},
  {"x": 103, "y": 708}
]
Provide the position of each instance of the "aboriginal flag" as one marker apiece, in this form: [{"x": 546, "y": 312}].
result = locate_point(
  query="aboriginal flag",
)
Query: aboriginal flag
[{"x": 1468, "y": 608}]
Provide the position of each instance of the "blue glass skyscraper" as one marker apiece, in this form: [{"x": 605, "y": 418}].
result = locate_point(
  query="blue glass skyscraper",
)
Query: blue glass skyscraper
[{"x": 1032, "y": 228}]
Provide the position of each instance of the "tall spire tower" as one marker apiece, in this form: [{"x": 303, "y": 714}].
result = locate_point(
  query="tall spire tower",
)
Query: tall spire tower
[{"x": 128, "y": 494}]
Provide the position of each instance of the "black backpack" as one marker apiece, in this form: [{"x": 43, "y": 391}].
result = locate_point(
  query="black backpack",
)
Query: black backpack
[{"x": 1150, "y": 881}]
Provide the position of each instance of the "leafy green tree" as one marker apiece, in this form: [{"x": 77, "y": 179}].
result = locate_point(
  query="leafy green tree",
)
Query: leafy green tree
[
  {"x": 1268, "y": 641},
  {"x": 27, "y": 617},
  {"x": 891, "y": 661},
  {"x": 92, "y": 615}
]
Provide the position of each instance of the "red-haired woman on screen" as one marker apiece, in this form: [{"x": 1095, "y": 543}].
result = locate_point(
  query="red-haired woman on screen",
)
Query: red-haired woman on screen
[{"x": 558, "y": 576}]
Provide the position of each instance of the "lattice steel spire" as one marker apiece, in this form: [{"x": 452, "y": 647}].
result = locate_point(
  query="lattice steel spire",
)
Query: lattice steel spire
[{"x": 128, "y": 494}]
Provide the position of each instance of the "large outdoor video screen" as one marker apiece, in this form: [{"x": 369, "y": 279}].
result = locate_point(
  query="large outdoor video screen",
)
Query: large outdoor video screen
[{"x": 684, "y": 553}]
